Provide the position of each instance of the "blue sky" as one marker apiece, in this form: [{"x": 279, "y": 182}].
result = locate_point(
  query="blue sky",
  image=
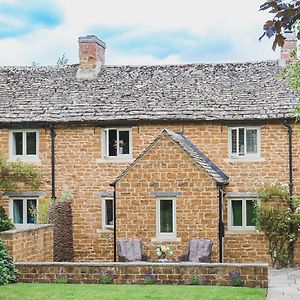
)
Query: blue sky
[{"x": 136, "y": 32}]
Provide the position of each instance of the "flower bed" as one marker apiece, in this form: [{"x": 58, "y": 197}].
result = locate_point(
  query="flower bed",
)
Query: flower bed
[{"x": 254, "y": 275}]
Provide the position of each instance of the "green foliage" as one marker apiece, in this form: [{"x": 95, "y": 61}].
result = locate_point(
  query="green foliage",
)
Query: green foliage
[
  {"x": 235, "y": 278},
  {"x": 42, "y": 211},
  {"x": 278, "y": 217},
  {"x": 8, "y": 271},
  {"x": 12, "y": 173},
  {"x": 194, "y": 280},
  {"x": 150, "y": 278},
  {"x": 5, "y": 222},
  {"x": 61, "y": 279},
  {"x": 62, "y": 61},
  {"x": 285, "y": 17},
  {"x": 106, "y": 278}
]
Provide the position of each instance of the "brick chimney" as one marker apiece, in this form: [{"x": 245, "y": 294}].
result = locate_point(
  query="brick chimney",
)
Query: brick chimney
[
  {"x": 91, "y": 56},
  {"x": 290, "y": 44}
]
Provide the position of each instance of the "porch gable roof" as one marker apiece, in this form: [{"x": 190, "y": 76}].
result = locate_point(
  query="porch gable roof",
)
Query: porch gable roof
[{"x": 191, "y": 149}]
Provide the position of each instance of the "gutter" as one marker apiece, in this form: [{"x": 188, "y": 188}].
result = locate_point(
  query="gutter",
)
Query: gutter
[
  {"x": 290, "y": 131},
  {"x": 53, "y": 134}
]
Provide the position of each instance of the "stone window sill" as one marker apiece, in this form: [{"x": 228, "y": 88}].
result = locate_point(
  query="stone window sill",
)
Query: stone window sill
[
  {"x": 244, "y": 160},
  {"x": 114, "y": 160},
  {"x": 246, "y": 231},
  {"x": 105, "y": 230},
  {"x": 165, "y": 239}
]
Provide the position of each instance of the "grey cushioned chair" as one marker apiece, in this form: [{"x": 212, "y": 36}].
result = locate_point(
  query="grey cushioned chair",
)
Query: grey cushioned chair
[
  {"x": 199, "y": 251},
  {"x": 130, "y": 250}
]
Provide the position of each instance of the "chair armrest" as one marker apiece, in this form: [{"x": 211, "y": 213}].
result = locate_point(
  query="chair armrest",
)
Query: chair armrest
[
  {"x": 145, "y": 257},
  {"x": 183, "y": 257},
  {"x": 205, "y": 259},
  {"x": 122, "y": 259}
]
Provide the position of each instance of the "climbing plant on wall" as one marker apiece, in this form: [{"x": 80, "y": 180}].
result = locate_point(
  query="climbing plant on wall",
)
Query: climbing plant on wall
[
  {"x": 278, "y": 216},
  {"x": 12, "y": 173}
]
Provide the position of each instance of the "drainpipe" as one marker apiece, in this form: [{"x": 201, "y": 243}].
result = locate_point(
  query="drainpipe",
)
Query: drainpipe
[
  {"x": 115, "y": 227},
  {"x": 290, "y": 131},
  {"x": 221, "y": 223},
  {"x": 53, "y": 134}
]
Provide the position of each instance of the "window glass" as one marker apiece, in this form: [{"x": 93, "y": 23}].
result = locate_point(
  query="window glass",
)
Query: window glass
[
  {"x": 123, "y": 142},
  {"x": 18, "y": 143},
  {"x": 241, "y": 141},
  {"x": 109, "y": 219},
  {"x": 250, "y": 213},
  {"x": 166, "y": 216},
  {"x": 18, "y": 211},
  {"x": 31, "y": 211},
  {"x": 233, "y": 140},
  {"x": 237, "y": 213},
  {"x": 31, "y": 143},
  {"x": 112, "y": 142},
  {"x": 251, "y": 139}
]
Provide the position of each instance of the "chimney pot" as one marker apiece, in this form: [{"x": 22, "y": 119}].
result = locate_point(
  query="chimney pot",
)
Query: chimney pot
[{"x": 91, "y": 56}]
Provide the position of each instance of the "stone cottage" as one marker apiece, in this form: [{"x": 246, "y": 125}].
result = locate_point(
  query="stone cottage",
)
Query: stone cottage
[{"x": 161, "y": 153}]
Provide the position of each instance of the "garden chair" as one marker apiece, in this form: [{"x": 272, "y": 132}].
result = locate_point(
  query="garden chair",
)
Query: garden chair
[
  {"x": 199, "y": 251},
  {"x": 130, "y": 250}
]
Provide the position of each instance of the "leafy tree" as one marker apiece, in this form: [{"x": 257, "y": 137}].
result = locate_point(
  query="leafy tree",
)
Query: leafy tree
[
  {"x": 8, "y": 271},
  {"x": 286, "y": 14},
  {"x": 278, "y": 216},
  {"x": 12, "y": 173},
  {"x": 62, "y": 61}
]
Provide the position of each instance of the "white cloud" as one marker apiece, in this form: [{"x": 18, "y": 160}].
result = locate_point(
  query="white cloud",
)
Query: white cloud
[{"x": 238, "y": 20}]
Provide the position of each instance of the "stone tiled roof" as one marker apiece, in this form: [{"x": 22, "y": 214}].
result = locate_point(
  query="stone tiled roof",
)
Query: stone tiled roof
[
  {"x": 231, "y": 91},
  {"x": 192, "y": 150}
]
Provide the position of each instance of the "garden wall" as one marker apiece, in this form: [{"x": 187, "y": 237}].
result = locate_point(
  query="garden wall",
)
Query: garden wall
[
  {"x": 30, "y": 243},
  {"x": 254, "y": 275}
]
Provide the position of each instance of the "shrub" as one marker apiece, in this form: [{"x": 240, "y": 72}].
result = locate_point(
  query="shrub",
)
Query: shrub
[
  {"x": 235, "y": 279},
  {"x": 5, "y": 222},
  {"x": 150, "y": 278},
  {"x": 194, "y": 280},
  {"x": 62, "y": 279},
  {"x": 8, "y": 271},
  {"x": 106, "y": 277}
]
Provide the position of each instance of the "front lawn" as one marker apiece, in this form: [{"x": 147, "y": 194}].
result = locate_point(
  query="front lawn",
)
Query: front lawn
[{"x": 133, "y": 292}]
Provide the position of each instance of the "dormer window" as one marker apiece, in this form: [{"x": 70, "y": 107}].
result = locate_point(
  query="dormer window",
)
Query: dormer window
[
  {"x": 244, "y": 142},
  {"x": 117, "y": 142},
  {"x": 24, "y": 144}
]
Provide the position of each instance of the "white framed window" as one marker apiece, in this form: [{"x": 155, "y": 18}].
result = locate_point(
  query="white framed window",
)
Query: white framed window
[
  {"x": 107, "y": 213},
  {"x": 241, "y": 213},
  {"x": 244, "y": 142},
  {"x": 24, "y": 144},
  {"x": 165, "y": 218},
  {"x": 22, "y": 211},
  {"x": 117, "y": 142}
]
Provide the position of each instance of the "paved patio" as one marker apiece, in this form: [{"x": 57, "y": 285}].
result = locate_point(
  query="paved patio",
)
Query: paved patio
[{"x": 284, "y": 284}]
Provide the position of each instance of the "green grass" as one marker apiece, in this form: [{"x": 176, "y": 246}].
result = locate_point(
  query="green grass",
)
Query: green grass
[{"x": 22, "y": 291}]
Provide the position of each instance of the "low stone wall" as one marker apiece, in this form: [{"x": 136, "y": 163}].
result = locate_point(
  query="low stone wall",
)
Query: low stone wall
[
  {"x": 254, "y": 275},
  {"x": 30, "y": 243}
]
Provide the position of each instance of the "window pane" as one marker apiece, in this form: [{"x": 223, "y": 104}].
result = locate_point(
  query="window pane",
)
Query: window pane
[
  {"x": 17, "y": 143},
  {"x": 18, "y": 211},
  {"x": 109, "y": 213},
  {"x": 166, "y": 216},
  {"x": 112, "y": 142},
  {"x": 241, "y": 141},
  {"x": 251, "y": 138},
  {"x": 250, "y": 212},
  {"x": 124, "y": 142},
  {"x": 233, "y": 140},
  {"x": 236, "y": 213},
  {"x": 31, "y": 211},
  {"x": 31, "y": 143}
]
